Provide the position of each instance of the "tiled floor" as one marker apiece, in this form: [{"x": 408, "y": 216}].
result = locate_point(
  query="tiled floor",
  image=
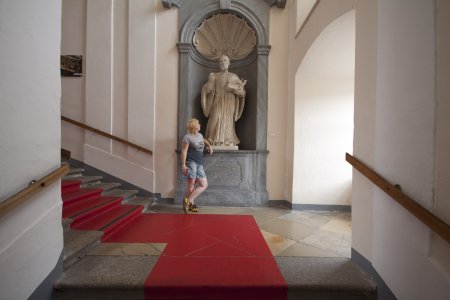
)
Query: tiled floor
[{"x": 290, "y": 233}]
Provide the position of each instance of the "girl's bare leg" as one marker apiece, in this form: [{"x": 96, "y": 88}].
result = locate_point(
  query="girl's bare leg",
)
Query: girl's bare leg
[
  {"x": 190, "y": 185},
  {"x": 202, "y": 185}
]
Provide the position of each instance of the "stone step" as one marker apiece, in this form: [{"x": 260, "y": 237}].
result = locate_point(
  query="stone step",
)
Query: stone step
[
  {"x": 89, "y": 275},
  {"x": 105, "y": 186},
  {"x": 66, "y": 223},
  {"x": 73, "y": 172},
  {"x": 325, "y": 278},
  {"x": 123, "y": 277},
  {"x": 105, "y": 277},
  {"x": 126, "y": 194},
  {"x": 85, "y": 180},
  {"x": 77, "y": 243},
  {"x": 145, "y": 201}
]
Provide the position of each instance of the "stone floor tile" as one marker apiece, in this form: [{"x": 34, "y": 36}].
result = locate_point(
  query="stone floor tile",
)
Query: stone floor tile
[
  {"x": 338, "y": 225},
  {"x": 318, "y": 233},
  {"x": 308, "y": 218},
  {"x": 276, "y": 243},
  {"x": 288, "y": 229},
  {"x": 334, "y": 242},
  {"x": 300, "y": 249}
]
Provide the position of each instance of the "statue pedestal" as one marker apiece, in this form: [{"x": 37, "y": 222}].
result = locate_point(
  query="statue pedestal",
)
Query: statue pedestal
[
  {"x": 235, "y": 178},
  {"x": 226, "y": 148}
]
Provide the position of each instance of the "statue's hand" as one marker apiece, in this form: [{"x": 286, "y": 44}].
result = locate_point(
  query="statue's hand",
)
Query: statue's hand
[{"x": 239, "y": 91}]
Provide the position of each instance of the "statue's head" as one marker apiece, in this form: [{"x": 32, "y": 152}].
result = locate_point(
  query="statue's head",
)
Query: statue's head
[{"x": 224, "y": 62}]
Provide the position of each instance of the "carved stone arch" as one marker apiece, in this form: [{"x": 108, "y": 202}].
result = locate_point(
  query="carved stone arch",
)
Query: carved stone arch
[
  {"x": 252, "y": 18},
  {"x": 209, "y": 10},
  {"x": 224, "y": 34},
  {"x": 187, "y": 31}
]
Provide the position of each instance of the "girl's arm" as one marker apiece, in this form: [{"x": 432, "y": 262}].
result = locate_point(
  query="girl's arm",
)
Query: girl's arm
[
  {"x": 184, "y": 149},
  {"x": 208, "y": 145}
]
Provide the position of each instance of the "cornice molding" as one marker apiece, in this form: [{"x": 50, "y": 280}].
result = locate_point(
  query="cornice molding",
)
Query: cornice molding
[
  {"x": 169, "y": 3},
  {"x": 279, "y": 3},
  {"x": 224, "y": 4}
]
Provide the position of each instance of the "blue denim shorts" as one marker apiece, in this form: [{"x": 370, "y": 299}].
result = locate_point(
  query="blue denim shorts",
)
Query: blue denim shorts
[{"x": 195, "y": 170}]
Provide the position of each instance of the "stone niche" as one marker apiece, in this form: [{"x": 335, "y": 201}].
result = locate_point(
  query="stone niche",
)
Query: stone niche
[{"x": 235, "y": 177}]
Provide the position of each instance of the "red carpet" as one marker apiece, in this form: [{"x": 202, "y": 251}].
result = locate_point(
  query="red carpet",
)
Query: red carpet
[
  {"x": 69, "y": 186},
  {"x": 207, "y": 257},
  {"x": 89, "y": 210}
]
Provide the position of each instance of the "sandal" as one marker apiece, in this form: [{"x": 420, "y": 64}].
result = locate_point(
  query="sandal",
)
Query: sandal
[
  {"x": 186, "y": 204},
  {"x": 193, "y": 208}
]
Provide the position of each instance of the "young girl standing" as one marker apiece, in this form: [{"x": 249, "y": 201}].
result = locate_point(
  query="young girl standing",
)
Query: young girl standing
[{"x": 192, "y": 146}]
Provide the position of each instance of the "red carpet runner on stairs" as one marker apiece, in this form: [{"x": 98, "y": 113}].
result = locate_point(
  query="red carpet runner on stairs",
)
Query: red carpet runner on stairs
[{"x": 213, "y": 257}]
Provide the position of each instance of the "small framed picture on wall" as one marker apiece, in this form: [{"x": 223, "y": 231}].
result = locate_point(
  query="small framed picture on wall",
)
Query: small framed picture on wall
[{"x": 71, "y": 65}]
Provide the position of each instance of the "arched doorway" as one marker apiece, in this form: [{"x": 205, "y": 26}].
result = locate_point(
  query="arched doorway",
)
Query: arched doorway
[{"x": 324, "y": 101}]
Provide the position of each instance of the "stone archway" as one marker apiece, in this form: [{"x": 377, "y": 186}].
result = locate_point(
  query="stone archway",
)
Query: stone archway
[{"x": 324, "y": 102}]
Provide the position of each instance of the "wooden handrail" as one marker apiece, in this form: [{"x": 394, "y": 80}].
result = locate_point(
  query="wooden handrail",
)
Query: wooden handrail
[
  {"x": 423, "y": 214},
  {"x": 102, "y": 133},
  {"x": 32, "y": 189}
]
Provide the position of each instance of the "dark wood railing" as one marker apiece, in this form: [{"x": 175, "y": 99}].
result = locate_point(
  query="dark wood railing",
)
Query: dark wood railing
[
  {"x": 110, "y": 136},
  {"x": 428, "y": 218},
  {"x": 31, "y": 190}
]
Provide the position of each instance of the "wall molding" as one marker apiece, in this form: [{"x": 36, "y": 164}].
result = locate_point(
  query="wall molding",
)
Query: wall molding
[{"x": 314, "y": 207}]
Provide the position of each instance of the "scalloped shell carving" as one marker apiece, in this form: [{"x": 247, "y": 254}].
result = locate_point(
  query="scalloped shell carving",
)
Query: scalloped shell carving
[{"x": 224, "y": 34}]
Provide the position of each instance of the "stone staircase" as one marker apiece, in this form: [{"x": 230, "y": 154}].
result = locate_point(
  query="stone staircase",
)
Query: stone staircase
[
  {"x": 87, "y": 201},
  {"x": 121, "y": 273}
]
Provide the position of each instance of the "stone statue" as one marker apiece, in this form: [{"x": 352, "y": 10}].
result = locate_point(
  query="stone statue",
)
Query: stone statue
[{"x": 223, "y": 99}]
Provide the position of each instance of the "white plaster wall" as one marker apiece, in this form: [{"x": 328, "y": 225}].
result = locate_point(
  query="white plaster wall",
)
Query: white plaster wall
[
  {"x": 99, "y": 76},
  {"x": 31, "y": 239},
  {"x": 324, "y": 96},
  {"x": 403, "y": 121},
  {"x": 440, "y": 248},
  {"x": 443, "y": 111},
  {"x": 166, "y": 80},
  {"x": 324, "y": 13},
  {"x": 277, "y": 100},
  {"x": 141, "y": 58},
  {"x": 73, "y": 42},
  {"x": 364, "y": 124},
  {"x": 120, "y": 83},
  {"x": 304, "y": 7},
  {"x": 404, "y": 152},
  {"x": 117, "y": 91}
]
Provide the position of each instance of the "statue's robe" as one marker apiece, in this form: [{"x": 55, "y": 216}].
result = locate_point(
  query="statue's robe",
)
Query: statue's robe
[{"x": 223, "y": 107}]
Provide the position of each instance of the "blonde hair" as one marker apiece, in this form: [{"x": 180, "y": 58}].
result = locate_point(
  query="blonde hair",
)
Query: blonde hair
[{"x": 192, "y": 125}]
